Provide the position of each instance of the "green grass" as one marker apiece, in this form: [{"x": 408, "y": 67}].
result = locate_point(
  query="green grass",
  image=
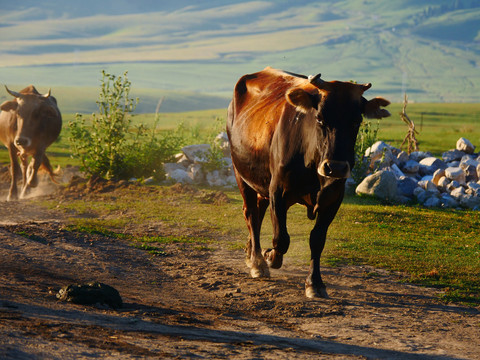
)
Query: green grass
[
  {"x": 439, "y": 125},
  {"x": 199, "y": 124},
  {"x": 433, "y": 247}
]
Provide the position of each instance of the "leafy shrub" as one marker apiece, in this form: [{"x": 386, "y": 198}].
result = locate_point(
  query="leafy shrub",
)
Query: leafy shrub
[
  {"x": 109, "y": 146},
  {"x": 367, "y": 136}
]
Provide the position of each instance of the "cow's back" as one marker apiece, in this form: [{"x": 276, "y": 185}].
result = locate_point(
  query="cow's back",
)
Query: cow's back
[{"x": 259, "y": 105}]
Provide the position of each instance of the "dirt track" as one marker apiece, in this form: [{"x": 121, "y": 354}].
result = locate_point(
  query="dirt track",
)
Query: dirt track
[{"x": 202, "y": 304}]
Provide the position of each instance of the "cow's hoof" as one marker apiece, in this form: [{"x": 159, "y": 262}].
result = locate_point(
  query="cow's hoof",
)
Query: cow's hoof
[
  {"x": 259, "y": 272},
  {"x": 258, "y": 267},
  {"x": 316, "y": 293},
  {"x": 273, "y": 258}
]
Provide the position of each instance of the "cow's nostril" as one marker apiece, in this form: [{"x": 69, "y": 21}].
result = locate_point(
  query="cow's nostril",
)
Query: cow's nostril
[{"x": 327, "y": 169}]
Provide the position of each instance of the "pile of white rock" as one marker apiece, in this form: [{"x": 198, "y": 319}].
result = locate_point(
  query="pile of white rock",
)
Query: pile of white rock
[
  {"x": 449, "y": 182},
  {"x": 191, "y": 165}
]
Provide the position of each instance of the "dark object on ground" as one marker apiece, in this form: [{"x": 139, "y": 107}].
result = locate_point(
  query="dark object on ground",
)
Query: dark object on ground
[{"x": 90, "y": 294}]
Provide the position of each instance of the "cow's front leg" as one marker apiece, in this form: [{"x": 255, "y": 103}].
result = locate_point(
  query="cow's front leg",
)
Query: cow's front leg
[
  {"x": 281, "y": 239},
  {"x": 15, "y": 172},
  {"x": 328, "y": 202},
  {"x": 314, "y": 286},
  {"x": 31, "y": 173}
]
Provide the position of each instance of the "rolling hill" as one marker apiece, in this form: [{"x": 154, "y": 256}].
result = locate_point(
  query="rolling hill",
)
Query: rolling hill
[{"x": 192, "y": 52}]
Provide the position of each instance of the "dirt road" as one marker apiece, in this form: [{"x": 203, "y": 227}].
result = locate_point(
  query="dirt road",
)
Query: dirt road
[{"x": 197, "y": 303}]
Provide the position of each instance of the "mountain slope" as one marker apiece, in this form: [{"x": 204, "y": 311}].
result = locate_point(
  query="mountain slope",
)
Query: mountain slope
[{"x": 429, "y": 49}]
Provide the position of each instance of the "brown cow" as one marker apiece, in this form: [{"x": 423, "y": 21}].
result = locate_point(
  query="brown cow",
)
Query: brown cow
[
  {"x": 28, "y": 125},
  {"x": 292, "y": 141}
]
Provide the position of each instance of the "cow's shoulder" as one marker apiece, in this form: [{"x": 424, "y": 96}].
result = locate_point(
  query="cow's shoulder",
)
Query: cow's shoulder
[{"x": 260, "y": 101}]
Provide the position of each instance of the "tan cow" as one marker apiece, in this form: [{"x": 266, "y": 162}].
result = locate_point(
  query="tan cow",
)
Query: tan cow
[{"x": 28, "y": 125}]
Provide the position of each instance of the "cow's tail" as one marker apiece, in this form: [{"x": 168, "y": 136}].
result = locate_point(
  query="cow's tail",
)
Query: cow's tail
[{"x": 48, "y": 168}]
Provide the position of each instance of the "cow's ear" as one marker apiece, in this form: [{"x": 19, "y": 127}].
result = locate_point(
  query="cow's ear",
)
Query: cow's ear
[
  {"x": 9, "y": 105},
  {"x": 303, "y": 100},
  {"x": 373, "y": 110}
]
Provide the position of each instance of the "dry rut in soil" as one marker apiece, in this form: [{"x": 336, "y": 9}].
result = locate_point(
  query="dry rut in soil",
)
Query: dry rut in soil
[{"x": 202, "y": 304}]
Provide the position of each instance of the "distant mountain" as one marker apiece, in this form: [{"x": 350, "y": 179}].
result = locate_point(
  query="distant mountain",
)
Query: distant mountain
[{"x": 429, "y": 48}]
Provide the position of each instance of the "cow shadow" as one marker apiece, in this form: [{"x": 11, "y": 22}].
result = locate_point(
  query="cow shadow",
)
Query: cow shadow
[{"x": 225, "y": 340}]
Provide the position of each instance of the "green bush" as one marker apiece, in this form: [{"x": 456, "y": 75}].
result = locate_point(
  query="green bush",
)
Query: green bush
[
  {"x": 109, "y": 146},
  {"x": 367, "y": 136}
]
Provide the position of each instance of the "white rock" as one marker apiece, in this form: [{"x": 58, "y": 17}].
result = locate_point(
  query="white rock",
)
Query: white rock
[
  {"x": 452, "y": 155},
  {"x": 179, "y": 176},
  {"x": 465, "y": 145},
  {"x": 214, "y": 179},
  {"x": 376, "y": 150},
  {"x": 430, "y": 186},
  {"x": 411, "y": 167},
  {"x": 418, "y": 190},
  {"x": 402, "y": 157},
  {"x": 398, "y": 173},
  {"x": 195, "y": 172},
  {"x": 432, "y": 161},
  {"x": 448, "y": 201},
  {"x": 169, "y": 167},
  {"x": 182, "y": 160},
  {"x": 455, "y": 173},
  {"x": 197, "y": 153},
  {"x": 458, "y": 192},
  {"x": 221, "y": 140},
  {"x": 419, "y": 155},
  {"x": 470, "y": 201},
  {"x": 437, "y": 175},
  {"x": 443, "y": 182},
  {"x": 381, "y": 184},
  {"x": 452, "y": 185},
  {"x": 475, "y": 187},
  {"x": 468, "y": 162}
]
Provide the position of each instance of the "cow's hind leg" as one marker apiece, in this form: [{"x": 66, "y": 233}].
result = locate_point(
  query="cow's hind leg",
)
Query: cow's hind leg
[
  {"x": 254, "y": 208},
  {"x": 281, "y": 239}
]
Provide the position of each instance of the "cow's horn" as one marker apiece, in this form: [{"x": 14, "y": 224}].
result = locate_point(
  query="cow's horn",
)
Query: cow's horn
[
  {"x": 13, "y": 93},
  {"x": 47, "y": 94},
  {"x": 366, "y": 86},
  {"x": 314, "y": 79}
]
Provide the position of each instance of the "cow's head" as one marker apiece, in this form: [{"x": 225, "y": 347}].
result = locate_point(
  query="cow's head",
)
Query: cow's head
[
  {"x": 30, "y": 108},
  {"x": 337, "y": 108}
]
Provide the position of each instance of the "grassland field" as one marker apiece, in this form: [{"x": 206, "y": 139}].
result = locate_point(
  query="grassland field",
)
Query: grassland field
[{"x": 439, "y": 126}]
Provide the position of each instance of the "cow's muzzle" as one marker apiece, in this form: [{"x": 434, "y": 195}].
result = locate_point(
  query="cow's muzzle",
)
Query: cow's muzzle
[
  {"x": 23, "y": 142},
  {"x": 334, "y": 169}
]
